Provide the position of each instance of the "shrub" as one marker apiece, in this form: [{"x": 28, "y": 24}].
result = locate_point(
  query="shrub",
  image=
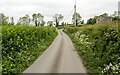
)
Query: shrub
[
  {"x": 21, "y": 45},
  {"x": 98, "y": 45}
]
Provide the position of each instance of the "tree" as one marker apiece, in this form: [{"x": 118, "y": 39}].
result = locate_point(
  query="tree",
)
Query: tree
[
  {"x": 25, "y": 20},
  {"x": 38, "y": 19},
  {"x": 91, "y": 21},
  {"x": 76, "y": 18},
  {"x": 50, "y": 23},
  {"x": 63, "y": 23},
  {"x": 42, "y": 23},
  {"x": 57, "y": 18},
  {"x": 35, "y": 19},
  {"x": 82, "y": 22},
  {"x": 12, "y": 20},
  {"x": 104, "y": 15},
  {"x": 115, "y": 16},
  {"x": 4, "y": 19}
]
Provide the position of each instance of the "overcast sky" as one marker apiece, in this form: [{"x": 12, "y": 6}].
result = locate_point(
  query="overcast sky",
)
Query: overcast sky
[{"x": 48, "y": 8}]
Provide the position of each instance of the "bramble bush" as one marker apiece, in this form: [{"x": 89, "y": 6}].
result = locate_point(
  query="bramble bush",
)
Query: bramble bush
[
  {"x": 99, "y": 46},
  {"x": 21, "y": 45}
]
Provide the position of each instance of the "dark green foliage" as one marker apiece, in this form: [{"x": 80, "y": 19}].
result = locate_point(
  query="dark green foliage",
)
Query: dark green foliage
[
  {"x": 115, "y": 18},
  {"x": 21, "y": 45},
  {"x": 3, "y": 19},
  {"x": 76, "y": 18},
  {"x": 98, "y": 46},
  {"x": 91, "y": 21}
]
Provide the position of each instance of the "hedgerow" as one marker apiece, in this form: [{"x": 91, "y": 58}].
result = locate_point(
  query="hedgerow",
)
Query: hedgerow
[
  {"x": 99, "y": 47},
  {"x": 21, "y": 45}
]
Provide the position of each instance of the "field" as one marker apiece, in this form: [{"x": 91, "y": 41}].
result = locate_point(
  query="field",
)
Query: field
[
  {"x": 21, "y": 45},
  {"x": 99, "y": 47}
]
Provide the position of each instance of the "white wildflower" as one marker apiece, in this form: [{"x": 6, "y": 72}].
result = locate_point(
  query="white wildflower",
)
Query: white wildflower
[
  {"x": 9, "y": 57},
  {"x": 116, "y": 66},
  {"x": 113, "y": 67},
  {"x": 110, "y": 64},
  {"x": 107, "y": 67},
  {"x": 102, "y": 71}
]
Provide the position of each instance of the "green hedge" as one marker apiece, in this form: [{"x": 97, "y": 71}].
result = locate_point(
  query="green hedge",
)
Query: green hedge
[
  {"x": 99, "y": 47},
  {"x": 21, "y": 45}
]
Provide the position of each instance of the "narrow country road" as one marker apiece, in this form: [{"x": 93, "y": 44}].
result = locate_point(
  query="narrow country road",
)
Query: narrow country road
[{"x": 60, "y": 57}]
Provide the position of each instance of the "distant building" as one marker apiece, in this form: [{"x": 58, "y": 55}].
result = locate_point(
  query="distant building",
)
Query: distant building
[{"x": 103, "y": 19}]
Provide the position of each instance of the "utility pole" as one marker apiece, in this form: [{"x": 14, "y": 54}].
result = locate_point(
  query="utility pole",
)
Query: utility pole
[{"x": 75, "y": 14}]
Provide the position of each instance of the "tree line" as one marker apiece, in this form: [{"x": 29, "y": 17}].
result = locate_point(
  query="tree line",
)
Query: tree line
[{"x": 38, "y": 19}]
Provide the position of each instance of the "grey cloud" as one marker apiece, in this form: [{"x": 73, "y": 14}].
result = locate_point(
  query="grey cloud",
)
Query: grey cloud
[{"x": 87, "y": 8}]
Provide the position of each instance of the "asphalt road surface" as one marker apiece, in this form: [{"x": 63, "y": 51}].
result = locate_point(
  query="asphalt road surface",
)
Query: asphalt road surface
[{"x": 60, "y": 57}]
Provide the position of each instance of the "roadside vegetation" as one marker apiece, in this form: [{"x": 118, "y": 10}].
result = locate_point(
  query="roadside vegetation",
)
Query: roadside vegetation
[
  {"x": 97, "y": 41},
  {"x": 99, "y": 47},
  {"x": 21, "y": 45}
]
